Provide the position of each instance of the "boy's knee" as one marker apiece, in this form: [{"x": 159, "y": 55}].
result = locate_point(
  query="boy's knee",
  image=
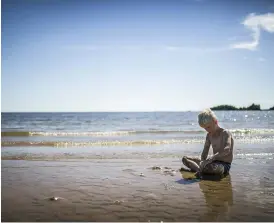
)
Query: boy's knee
[{"x": 184, "y": 160}]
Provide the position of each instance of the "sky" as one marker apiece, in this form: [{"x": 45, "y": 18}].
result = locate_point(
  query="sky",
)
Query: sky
[{"x": 114, "y": 55}]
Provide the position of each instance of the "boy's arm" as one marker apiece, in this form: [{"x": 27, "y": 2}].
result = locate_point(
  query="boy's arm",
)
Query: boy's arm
[
  {"x": 228, "y": 143},
  {"x": 206, "y": 149}
]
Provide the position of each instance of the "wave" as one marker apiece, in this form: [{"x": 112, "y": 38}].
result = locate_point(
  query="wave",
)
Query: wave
[
  {"x": 99, "y": 143},
  {"x": 112, "y": 133},
  {"x": 124, "y": 133},
  {"x": 129, "y": 155},
  {"x": 252, "y": 131},
  {"x": 251, "y": 140},
  {"x": 254, "y": 154}
]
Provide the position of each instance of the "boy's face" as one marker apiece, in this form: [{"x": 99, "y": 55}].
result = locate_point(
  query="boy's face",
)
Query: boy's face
[{"x": 210, "y": 127}]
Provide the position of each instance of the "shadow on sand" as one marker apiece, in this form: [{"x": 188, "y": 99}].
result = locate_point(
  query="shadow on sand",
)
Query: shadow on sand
[{"x": 189, "y": 178}]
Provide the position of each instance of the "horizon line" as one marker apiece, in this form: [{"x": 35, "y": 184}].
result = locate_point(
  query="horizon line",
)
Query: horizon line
[
  {"x": 97, "y": 111},
  {"x": 123, "y": 111}
]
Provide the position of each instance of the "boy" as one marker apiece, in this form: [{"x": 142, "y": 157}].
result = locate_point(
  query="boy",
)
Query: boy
[{"x": 222, "y": 143}]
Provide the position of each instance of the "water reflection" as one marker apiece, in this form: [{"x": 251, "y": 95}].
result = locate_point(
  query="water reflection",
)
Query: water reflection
[{"x": 218, "y": 198}]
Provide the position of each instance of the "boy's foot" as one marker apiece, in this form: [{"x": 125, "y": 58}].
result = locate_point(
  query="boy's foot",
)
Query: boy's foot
[
  {"x": 185, "y": 169},
  {"x": 198, "y": 175}
]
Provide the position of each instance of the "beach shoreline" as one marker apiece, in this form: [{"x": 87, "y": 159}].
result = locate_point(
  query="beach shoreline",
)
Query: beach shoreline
[
  {"x": 115, "y": 181},
  {"x": 120, "y": 190}
]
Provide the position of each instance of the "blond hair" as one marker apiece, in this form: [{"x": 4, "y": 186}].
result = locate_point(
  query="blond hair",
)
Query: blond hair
[{"x": 206, "y": 116}]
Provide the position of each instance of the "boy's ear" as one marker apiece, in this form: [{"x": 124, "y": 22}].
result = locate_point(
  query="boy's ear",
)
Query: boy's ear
[{"x": 216, "y": 122}]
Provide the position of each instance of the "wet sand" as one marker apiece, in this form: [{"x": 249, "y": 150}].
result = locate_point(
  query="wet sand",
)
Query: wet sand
[{"x": 129, "y": 190}]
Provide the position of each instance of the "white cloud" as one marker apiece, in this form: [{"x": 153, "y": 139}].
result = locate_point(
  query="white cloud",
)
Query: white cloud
[
  {"x": 256, "y": 23},
  {"x": 196, "y": 49},
  {"x": 170, "y": 48},
  {"x": 232, "y": 38}
]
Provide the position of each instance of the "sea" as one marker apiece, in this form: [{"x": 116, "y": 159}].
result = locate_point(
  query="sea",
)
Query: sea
[
  {"x": 86, "y": 149},
  {"x": 105, "y": 131}
]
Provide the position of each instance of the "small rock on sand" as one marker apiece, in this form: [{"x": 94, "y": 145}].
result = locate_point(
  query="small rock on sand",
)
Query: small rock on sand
[
  {"x": 156, "y": 168},
  {"x": 151, "y": 196},
  {"x": 167, "y": 168},
  {"x": 118, "y": 202}
]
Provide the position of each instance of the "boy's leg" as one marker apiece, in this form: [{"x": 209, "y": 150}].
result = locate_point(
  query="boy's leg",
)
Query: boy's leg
[
  {"x": 216, "y": 168},
  {"x": 193, "y": 163}
]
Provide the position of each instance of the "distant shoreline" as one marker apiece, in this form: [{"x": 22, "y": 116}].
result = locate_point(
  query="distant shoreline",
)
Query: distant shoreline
[
  {"x": 224, "y": 107},
  {"x": 253, "y": 107}
]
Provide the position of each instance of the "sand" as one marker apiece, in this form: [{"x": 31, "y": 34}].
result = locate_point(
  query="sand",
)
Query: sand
[{"x": 129, "y": 190}]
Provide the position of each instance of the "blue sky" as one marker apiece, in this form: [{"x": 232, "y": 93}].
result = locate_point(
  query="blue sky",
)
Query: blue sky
[{"x": 136, "y": 55}]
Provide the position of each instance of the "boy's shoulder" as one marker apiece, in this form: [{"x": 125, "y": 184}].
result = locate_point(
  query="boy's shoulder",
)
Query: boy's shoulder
[
  {"x": 223, "y": 132},
  {"x": 226, "y": 132}
]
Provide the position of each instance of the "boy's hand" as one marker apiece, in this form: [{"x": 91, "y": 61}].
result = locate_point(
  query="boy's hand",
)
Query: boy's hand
[{"x": 204, "y": 163}]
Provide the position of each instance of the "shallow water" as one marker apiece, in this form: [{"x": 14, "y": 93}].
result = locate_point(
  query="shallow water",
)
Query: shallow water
[
  {"x": 129, "y": 190},
  {"x": 114, "y": 181}
]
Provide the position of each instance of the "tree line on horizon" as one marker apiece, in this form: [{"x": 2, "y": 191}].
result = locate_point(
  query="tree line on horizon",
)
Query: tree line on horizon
[{"x": 253, "y": 107}]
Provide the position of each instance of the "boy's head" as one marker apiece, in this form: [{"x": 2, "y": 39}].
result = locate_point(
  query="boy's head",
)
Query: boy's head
[{"x": 208, "y": 120}]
